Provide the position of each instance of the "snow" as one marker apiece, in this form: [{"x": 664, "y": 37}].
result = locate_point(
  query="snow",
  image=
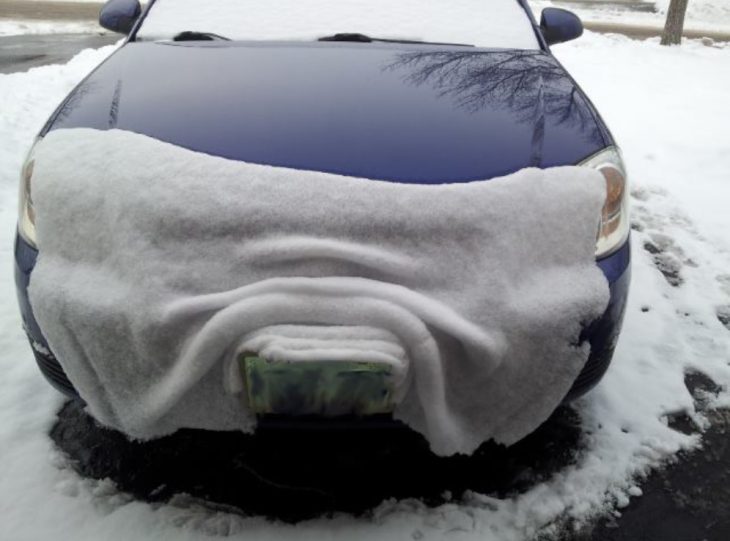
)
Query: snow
[
  {"x": 667, "y": 109},
  {"x": 20, "y": 27},
  {"x": 497, "y": 23},
  {"x": 300, "y": 246},
  {"x": 703, "y": 13},
  {"x": 708, "y": 15}
]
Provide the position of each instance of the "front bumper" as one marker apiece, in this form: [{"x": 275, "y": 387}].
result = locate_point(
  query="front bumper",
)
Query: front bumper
[{"x": 602, "y": 334}]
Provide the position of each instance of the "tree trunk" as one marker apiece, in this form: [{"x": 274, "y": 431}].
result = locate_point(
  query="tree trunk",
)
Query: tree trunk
[{"x": 675, "y": 22}]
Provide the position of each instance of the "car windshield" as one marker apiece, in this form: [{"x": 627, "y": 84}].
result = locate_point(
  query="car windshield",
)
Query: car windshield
[{"x": 482, "y": 23}]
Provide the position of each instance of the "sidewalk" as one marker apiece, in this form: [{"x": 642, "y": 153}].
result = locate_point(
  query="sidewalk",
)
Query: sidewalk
[{"x": 633, "y": 5}]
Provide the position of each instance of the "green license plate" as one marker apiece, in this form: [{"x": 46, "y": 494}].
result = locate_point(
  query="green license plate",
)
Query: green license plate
[{"x": 321, "y": 388}]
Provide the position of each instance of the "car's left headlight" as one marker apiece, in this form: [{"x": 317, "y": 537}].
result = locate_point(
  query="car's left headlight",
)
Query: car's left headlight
[
  {"x": 614, "y": 229},
  {"x": 26, "y": 214}
]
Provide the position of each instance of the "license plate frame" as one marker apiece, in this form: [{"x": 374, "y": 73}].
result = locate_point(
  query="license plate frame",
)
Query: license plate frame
[{"x": 317, "y": 388}]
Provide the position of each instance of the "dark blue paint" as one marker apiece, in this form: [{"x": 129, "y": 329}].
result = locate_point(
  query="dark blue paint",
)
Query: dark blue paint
[
  {"x": 560, "y": 25},
  {"x": 366, "y": 110},
  {"x": 120, "y": 15},
  {"x": 615, "y": 264},
  {"x": 25, "y": 259}
]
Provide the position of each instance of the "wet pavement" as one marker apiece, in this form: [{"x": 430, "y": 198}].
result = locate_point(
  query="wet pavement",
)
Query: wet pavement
[
  {"x": 631, "y": 5},
  {"x": 690, "y": 499},
  {"x": 20, "y": 53},
  {"x": 293, "y": 475}
]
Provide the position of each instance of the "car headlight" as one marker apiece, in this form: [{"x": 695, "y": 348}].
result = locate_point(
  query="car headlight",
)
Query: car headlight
[
  {"x": 614, "y": 229},
  {"x": 26, "y": 220}
]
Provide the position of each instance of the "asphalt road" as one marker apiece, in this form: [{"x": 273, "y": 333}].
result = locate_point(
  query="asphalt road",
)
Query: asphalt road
[
  {"x": 687, "y": 501},
  {"x": 20, "y": 53},
  {"x": 49, "y": 11}
]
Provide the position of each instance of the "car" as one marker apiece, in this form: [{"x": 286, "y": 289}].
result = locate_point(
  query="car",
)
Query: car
[{"x": 481, "y": 99}]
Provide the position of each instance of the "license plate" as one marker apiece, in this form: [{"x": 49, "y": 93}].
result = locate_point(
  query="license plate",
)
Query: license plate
[{"x": 321, "y": 388}]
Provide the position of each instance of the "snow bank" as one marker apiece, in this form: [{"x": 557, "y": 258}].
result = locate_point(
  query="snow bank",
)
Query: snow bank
[
  {"x": 493, "y": 23},
  {"x": 707, "y": 15},
  {"x": 485, "y": 284}
]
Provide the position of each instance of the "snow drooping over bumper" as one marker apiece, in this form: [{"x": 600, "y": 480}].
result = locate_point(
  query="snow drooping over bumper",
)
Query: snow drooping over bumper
[{"x": 158, "y": 266}]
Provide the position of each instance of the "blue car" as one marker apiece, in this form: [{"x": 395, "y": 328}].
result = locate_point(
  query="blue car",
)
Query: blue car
[{"x": 476, "y": 100}]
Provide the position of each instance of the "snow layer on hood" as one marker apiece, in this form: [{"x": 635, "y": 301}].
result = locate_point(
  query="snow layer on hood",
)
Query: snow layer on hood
[
  {"x": 156, "y": 262},
  {"x": 485, "y": 23}
]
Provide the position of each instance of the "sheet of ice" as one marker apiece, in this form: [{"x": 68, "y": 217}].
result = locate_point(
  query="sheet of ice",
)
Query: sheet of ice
[
  {"x": 493, "y": 23},
  {"x": 146, "y": 313},
  {"x": 626, "y": 434}
]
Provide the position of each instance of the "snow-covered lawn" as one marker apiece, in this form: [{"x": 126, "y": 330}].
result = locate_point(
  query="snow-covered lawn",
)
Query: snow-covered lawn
[
  {"x": 708, "y": 15},
  {"x": 668, "y": 108}
]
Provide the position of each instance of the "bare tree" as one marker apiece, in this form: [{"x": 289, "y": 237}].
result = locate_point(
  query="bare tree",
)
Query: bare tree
[
  {"x": 531, "y": 84},
  {"x": 675, "y": 22}
]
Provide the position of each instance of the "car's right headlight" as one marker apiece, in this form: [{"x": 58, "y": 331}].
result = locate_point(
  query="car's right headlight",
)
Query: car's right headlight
[
  {"x": 26, "y": 220},
  {"x": 614, "y": 229}
]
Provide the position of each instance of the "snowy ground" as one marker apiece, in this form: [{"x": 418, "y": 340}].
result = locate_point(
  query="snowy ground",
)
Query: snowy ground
[
  {"x": 669, "y": 110},
  {"x": 19, "y": 28}
]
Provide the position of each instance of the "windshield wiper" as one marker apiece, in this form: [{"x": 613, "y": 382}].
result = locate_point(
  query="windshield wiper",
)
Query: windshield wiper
[
  {"x": 192, "y": 35},
  {"x": 362, "y": 38},
  {"x": 353, "y": 37}
]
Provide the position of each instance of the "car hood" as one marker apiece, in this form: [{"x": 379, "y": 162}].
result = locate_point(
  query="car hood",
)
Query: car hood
[{"x": 406, "y": 113}]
